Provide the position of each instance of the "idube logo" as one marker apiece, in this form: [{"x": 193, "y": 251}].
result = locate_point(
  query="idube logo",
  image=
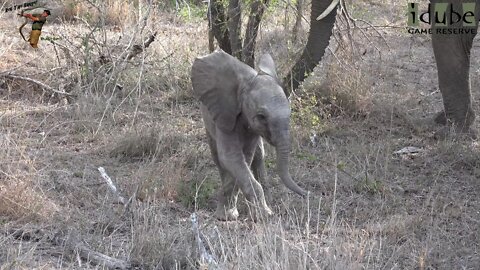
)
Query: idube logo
[{"x": 442, "y": 18}]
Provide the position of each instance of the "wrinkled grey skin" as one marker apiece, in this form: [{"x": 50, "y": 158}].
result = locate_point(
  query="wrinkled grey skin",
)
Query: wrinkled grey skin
[
  {"x": 239, "y": 106},
  {"x": 452, "y": 55},
  {"x": 317, "y": 42}
]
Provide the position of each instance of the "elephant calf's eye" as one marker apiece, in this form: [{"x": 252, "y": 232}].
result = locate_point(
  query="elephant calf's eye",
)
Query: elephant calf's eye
[{"x": 261, "y": 118}]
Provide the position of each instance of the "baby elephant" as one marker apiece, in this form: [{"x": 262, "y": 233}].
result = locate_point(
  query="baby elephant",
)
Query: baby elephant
[{"x": 240, "y": 106}]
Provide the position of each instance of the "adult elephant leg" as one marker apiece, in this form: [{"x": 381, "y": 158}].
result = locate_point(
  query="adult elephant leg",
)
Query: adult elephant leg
[
  {"x": 227, "y": 194},
  {"x": 452, "y": 54}
]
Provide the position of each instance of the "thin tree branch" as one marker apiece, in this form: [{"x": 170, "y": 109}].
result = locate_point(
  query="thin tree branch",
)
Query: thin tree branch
[
  {"x": 112, "y": 186},
  {"x": 41, "y": 84},
  {"x": 72, "y": 245},
  {"x": 137, "y": 49}
]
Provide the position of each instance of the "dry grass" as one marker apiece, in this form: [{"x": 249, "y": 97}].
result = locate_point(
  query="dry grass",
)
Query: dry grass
[
  {"x": 118, "y": 13},
  {"x": 370, "y": 209},
  {"x": 344, "y": 90},
  {"x": 21, "y": 201},
  {"x": 21, "y": 197}
]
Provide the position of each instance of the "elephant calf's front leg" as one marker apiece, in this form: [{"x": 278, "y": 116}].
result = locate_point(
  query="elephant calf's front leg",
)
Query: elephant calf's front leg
[
  {"x": 233, "y": 160},
  {"x": 247, "y": 183}
]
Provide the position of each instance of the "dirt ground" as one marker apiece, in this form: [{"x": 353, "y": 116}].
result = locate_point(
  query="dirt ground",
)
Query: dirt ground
[{"x": 369, "y": 208}]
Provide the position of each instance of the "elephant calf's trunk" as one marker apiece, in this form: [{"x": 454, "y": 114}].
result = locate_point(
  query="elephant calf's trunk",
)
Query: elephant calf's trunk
[{"x": 282, "y": 169}]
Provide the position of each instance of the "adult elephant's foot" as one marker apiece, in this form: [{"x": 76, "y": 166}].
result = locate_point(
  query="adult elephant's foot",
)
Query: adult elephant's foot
[
  {"x": 440, "y": 118},
  {"x": 451, "y": 132},
  {"x": 226, "y": 214}
]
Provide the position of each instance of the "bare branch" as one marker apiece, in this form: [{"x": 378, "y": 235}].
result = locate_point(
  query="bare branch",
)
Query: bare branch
[
  {"x": 41, "y": 84},
  {"x": 354, "y": 21},
  {"x": 205, "y": 257},
  {"x": 137, "y": 49},
  {"x": 74, "y": 246},
  {"x": 100, "y": 259},
  {"x": 112, "y": 187}
]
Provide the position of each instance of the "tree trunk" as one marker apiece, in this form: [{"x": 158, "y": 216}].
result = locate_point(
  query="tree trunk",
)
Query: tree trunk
[
  {"x": 235, "y": 27},
  {"x": 257, "y": 8},
  {"x": 318, "y": 39},
  {"x": 211, "y": 41},
  {"x": 298, "y": 19},
  {"x": 227, "y": 29},
  {"x": 219, "y": 26}
]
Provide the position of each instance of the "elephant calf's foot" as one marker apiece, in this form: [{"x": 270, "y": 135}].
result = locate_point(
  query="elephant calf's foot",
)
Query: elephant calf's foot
[
  {"x": 450, "y": 132},
  {"x": 226, "y": 214},
  {"x": 258, "y": 213}
]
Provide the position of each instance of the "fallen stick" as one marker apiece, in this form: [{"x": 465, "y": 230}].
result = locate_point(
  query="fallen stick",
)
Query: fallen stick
[
  {"x": 101, "y": 259},
  {"x": 206, "y": 259},
  {"x": 74, "y": 246},
  {"x": 43, "y": 85},
  {"x": 112, "y": 187}
]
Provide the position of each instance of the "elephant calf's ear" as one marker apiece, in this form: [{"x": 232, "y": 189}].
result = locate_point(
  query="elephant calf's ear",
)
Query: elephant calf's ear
[
  {"x": 215, "y": 84},
  {"x": 267, "y": 66}
]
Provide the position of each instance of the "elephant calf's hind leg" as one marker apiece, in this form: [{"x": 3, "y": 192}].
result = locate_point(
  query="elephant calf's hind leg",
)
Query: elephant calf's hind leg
[
  {"x": 259, "y": 171},
  {"x": 249, "y": 186}
]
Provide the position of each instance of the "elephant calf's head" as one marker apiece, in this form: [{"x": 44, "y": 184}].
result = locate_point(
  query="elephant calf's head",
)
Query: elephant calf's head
[{"x": 265, "y": 105}]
